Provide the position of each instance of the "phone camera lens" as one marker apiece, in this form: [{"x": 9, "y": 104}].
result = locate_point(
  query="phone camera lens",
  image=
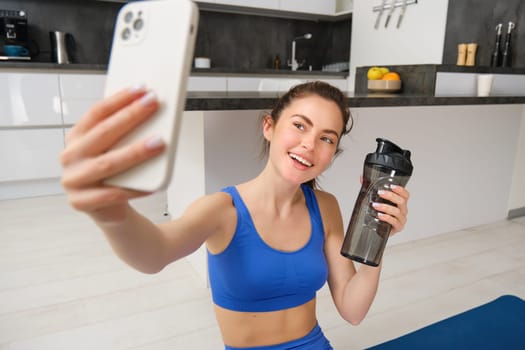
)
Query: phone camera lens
[
  {"x": 128, "y": 17},
  {"x": 126, "y": 34},
  {"x": 138, "y": 24}
]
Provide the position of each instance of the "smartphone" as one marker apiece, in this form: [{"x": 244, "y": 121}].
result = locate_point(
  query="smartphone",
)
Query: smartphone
[{"x": 153, "y": 45}]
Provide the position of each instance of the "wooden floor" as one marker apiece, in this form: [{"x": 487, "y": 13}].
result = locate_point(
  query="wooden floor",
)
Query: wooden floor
[{"x": 61, "y": 287}]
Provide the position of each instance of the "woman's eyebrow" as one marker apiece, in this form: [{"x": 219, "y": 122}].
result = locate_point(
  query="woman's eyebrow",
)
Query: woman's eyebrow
[{"x": 310, "y": 123}]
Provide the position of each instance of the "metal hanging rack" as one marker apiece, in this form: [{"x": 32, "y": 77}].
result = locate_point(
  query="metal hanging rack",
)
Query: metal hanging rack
[{"x": 389, "y": 6}]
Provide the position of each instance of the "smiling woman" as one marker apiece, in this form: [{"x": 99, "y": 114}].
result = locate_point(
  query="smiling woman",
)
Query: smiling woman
[{"x": 272, "y": 241}]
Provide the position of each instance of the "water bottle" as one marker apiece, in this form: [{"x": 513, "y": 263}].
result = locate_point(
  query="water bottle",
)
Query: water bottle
[{"x": 366, "y": 236}]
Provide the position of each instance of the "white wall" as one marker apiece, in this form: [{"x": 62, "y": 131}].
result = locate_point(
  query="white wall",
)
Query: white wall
[
  {"x": 463, "y": 160},
  {"x": 233, "y": 141},
  {"x": 188, "y": 178},
  {"x": 419, "y": 40},
  {"x": 517, "y": 194}
]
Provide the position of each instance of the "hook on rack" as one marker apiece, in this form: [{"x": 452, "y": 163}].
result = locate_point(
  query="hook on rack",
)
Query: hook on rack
[
  {"x": 391, "y": 7},
  {"x": 396, "y": 4}
]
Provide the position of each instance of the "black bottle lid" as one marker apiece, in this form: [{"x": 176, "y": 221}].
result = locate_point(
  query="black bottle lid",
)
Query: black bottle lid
[{"x": 390, "y": 155}]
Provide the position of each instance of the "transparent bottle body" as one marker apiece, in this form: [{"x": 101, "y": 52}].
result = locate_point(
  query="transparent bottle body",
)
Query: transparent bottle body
[{"x": 366, "y": 235}]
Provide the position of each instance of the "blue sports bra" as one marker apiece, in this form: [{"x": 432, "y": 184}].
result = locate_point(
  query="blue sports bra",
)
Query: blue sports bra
[{"x": 251, "y": 276}]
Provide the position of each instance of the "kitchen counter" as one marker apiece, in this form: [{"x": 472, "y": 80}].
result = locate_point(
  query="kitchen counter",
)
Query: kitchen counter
[
  {"x": 102, "y": 68},
  {"x": 255, "y": 100},
  {"x": 87, "y": 68},
  {"x": 208, "y": 101},
  {"x": 267, "y": 72}
]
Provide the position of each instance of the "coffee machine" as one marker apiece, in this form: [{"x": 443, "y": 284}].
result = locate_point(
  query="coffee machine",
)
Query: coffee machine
[{"x": 13, "y": 28}]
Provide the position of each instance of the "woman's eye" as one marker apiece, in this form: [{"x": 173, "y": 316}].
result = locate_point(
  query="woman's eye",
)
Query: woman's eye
[
  {"x": 299, "y": 126},
  {"x": 327, "y": 140}
]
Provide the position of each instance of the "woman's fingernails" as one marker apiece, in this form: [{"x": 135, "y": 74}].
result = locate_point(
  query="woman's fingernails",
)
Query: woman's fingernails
[
  {"x": 376, "y": 205},
  {"x": 154, "y": 142},
  {"x": 136, "y": 88},
  {"x": 380, "y": 192},
  {"x": 148, "y": 99}
]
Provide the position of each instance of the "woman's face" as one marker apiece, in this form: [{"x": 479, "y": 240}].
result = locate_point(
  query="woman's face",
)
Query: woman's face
[{"x": 304, "y": 140}]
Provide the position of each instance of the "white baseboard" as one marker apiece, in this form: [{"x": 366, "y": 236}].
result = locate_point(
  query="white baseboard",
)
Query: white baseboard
[{"x": 30, "y": 188}]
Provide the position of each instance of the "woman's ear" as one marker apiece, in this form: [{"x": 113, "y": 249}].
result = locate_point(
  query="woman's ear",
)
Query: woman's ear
[{"x": 268, "y": 127}]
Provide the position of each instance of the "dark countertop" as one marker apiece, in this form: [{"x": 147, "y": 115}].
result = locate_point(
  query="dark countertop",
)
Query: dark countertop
[
  {"x": 478, "y": 69},
  {"x": 29, "y": 65},
  {"x": 101, "y": 68},
  {"x": 266, "y": 72},
  {"x": 209, "y": 101}
]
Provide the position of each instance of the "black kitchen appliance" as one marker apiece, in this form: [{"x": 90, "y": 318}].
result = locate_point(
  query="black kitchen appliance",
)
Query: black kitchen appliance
[
  {"x": 13, "y": 27},
  {"x": 13, "y": 30}
]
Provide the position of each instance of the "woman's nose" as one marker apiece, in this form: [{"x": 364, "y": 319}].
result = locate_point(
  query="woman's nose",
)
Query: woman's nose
[{"x": 308, "y": 142}]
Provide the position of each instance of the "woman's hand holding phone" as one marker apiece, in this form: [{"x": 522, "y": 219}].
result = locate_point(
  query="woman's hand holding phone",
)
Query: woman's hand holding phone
[{"x": 88, "y": 159}]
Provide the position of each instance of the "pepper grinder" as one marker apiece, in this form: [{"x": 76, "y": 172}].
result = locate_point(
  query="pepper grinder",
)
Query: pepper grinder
[
  {"x": 495, "y": 59},
  {"x": 507, "y": 51}
]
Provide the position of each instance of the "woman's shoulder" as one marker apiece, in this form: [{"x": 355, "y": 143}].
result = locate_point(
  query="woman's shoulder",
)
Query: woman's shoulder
[
  {"x": 329, "y": 208},
  {"x": 216, "y": 201},
  {"x": 213, "y": 205},
  {"x": 325, "y": 198},
  {"x": 219, "y": 211}
]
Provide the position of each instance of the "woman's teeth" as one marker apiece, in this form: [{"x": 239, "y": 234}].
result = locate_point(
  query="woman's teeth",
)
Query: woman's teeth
[{"x": 300, "y": 160}]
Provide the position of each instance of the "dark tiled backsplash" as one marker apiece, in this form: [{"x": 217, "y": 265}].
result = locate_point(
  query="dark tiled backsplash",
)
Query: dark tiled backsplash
[
  {"x": 230, "y": 40},
  {"x": 89, "y": 22},
  {"x": 474, "y": 21},
  {"x": 247, "y": 41}
]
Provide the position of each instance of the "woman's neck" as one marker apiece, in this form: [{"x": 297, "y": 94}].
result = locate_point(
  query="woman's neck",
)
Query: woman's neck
[{"x": 273, "y": 193}]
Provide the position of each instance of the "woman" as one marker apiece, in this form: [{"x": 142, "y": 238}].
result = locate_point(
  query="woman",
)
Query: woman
[{"x": 272, "y": 241}]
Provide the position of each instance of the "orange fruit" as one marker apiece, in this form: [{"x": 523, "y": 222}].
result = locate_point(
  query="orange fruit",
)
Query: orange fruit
[{"x": 391, "y": 76}]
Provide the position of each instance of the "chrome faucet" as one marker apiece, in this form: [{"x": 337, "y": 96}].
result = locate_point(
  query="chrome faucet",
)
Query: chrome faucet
[{"x": 294, "y": 64}]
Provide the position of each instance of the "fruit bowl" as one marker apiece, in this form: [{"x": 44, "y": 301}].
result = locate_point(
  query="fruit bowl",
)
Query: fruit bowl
[{"x": 384, "y": 85}]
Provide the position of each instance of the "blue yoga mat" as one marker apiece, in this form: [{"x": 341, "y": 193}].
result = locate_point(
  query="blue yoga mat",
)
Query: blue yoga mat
[{"x": 499, "y": 324}]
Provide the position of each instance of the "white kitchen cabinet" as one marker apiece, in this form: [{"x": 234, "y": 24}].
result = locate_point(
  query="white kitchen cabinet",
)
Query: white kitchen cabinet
[
  {"x": 78, "y": 93},
  {"x": 263, "y": 4},
  {"x": 277, "y": 84},
  {"x": 203, "y": 83},
  {"x": 30, "y": 154},
  {"x": 341, "y": 84},
  {"x": 262, "y": 84},
  {"x": 243, "y": 84},
  {"x": 314, "y": 7},
  {"x": 322, "y": 7},
  {"x": 465, "y": 84},
  {"x": 29, "y": 99}
]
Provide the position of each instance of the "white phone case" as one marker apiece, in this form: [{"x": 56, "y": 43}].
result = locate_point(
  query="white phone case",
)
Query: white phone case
[{"x": 153, "y": 45}]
